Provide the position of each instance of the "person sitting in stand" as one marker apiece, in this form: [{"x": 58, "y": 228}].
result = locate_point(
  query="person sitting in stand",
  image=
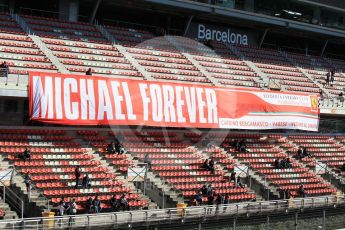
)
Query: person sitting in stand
[
  {"x": 283, "y": 163},
  {"x": 89, "y": 205},
  {"x": 88, "y": 72},
  {"x": 239, "y": 182},
  {"x": 287, "y": 193},
  {"x": 288, "y": 163},
  {"x": 124, "y": 203},
  {"x": 306, "y": 153},
  {"x": 96, "y": 204},
  {"x": 114, "y": 204},
  {"x": 118, "y": 148},
  {"x": 328, "y": 75},
  {"x": 341, "y": 97},
  {"x": 205, "y": 165},
  {"x": 301, "y": 191},
  {"x": 332, "y": 76},
  {"x": 211, "y": 166},
  {"x": 233, "y": 177},
  {"x": 277, "y": 163},
  {"x": 86, "y": 181},
  {"x": 77, "y": 175},
  {"x": 27, "y": 154},
  {"x": 4, "y": 69},
  {"x": 72, "y": 207},
  {"x": 219, "y": 199},
  {"x": 300, "y": 153},
  {"x": 110, "y": 148},
  {"x": 234, "y": 143},
  {"x": 198, "y": 199},
  {"x": 209, "y": 190},
  {"x": 27, "y": 181},
  {"x": 203, "y": 190}
]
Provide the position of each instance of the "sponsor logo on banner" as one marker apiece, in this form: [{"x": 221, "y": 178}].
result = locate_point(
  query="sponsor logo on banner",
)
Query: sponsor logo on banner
[
  {"x": 78, "y": 99},
  {"x": 314, "y": 103}
]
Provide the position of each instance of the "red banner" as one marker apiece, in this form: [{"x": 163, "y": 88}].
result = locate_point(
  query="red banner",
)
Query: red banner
[{"x": 85, "y": 100}]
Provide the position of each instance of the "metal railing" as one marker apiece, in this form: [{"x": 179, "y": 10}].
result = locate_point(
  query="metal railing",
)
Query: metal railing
[{"x": 174, "y": 214}]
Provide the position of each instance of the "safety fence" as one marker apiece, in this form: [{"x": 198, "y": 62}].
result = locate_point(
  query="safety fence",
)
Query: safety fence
[{"x": 150, "y": 217}]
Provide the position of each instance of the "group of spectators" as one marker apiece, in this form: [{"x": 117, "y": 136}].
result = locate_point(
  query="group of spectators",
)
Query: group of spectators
[
  {"x": 286, "y": 193},
  {"x": 236, "y": 180},
  {"x": 330, "y": 77},
  {"x": 26, "y": 155},
  {"x": 212, "y": 197},
  {"x": 86, "y": 181},
  {"x": 284, "y": 163},
  {"x": 115, "y": 147},
  {"x": 239, "y": 145},
  {"x": 302, "y": 152},
  {"x": 69, "y": 208},
  {"x": 208, "y": 165}
]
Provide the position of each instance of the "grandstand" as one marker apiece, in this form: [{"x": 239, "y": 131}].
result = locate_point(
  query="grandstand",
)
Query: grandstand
[{"x": 141, "y": 95}]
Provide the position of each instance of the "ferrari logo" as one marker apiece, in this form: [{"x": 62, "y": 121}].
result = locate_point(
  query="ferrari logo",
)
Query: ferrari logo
[{"x": 314, "y": 103}]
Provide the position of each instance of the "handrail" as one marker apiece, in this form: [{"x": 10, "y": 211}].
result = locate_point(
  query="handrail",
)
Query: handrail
[
  {"x": 33, "y": 188},
  {"x": 177, "y": 214},
  {"x": 11, "y": 197}
]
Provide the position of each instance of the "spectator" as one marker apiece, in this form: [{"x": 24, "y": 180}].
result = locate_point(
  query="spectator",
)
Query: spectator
[
  {"x": 205, "y": 165},
  {"x": 27, "y": 181},
  {"x": 124, "y": 203},
  {"x": 233, "y": 177},
  {"x": 4, "y": 69},
  {"x": 27, "y": 154},
  {"x": 198, "y": 199},
  {"x": 118, "y": 148},
  {"x": 110, "y": 148},
  {"x": 89, "y": 72},
  {"x": 86, "y": 183},
  {"x": 211, "y": 166},
  {"x": 277, "y": 163},
  {"x": 288, "y": 163},
  {"x": 219, "y": 199},
  {"x": 300, "y": 153},
  {"x": 72, "y": 207},
  {"x": 147, "y": 160},
  {"x": 210, "y": 199},
  {"x": 328, "y": 75},
  {"x": 96, "y": 204},
  {"x": 239, "y": 182},
  {"x": 341, "y": 97},
  {"x": 89, "y": 204},
  {"x": 114, "y": 204},
  {"x": 62, "y": 206},
  {"x": 209, "y": 191},
  {"x": 282, "y": 194},
  {"x": 332, "y": 76},
  {"x": 226, "y": 201},
  {"x": 283, "y": 163},
  {"x": 235, "y": 143},
  {"x": 77, "y": 176},
  {"x": 306, "y": 152},
  {"x": 301, "y": 191},
  {"x": 203, "y": 190},
  {"x": 287, "y": 193}
]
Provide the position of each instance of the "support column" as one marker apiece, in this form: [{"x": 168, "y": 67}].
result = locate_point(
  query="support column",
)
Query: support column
[
  {"x": 249, "y": 5},
  {"x": 12, "y": 5},
  {"x": 316, "y": 15},
  {"x": 69, "y": 10}
]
